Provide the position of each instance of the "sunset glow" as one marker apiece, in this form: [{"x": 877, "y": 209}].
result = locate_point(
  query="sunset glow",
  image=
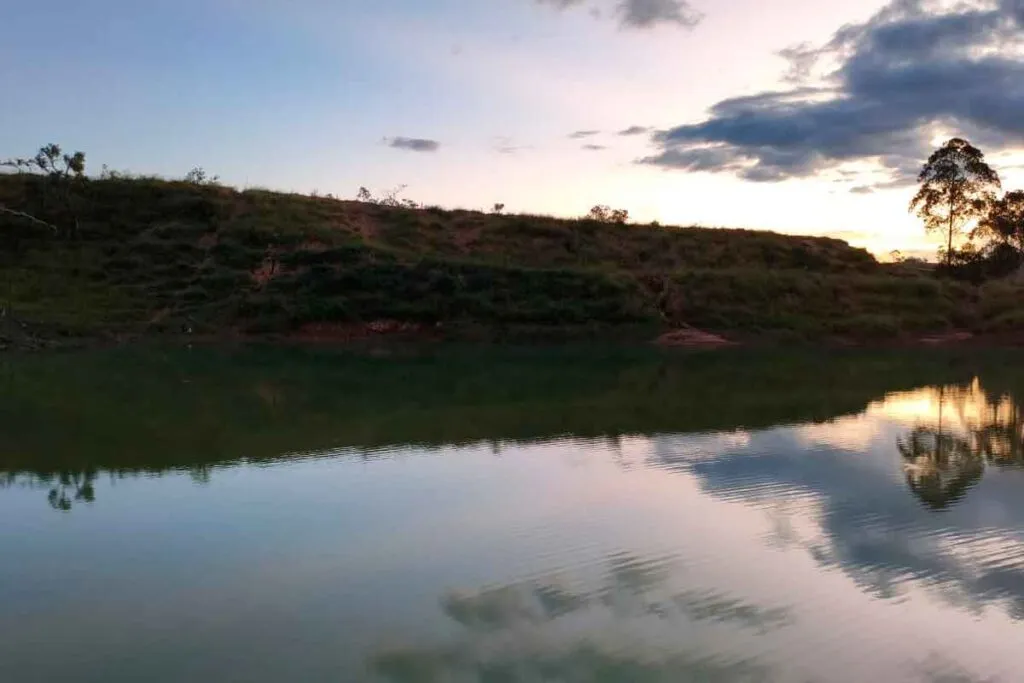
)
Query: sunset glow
[{"x": 547, "y": 107}]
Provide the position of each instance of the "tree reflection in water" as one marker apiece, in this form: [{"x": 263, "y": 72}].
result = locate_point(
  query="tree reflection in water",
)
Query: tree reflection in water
[
  {"x": 66, "y": 488},
  {"x": 63, "y": 488},
  {"x": 973, "y": 430}
]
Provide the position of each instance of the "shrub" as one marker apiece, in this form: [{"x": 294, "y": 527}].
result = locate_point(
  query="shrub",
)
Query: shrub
[
  {"x": 199, "y": 176},
  {"x": 869, "y": 325},
  {"x": 605, "y": 214}
]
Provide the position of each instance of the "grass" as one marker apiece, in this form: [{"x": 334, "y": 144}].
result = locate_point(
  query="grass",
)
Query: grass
[{"x": 149, "y": 254}]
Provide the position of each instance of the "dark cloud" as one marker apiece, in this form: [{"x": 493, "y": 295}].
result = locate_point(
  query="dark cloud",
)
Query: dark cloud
[
  {"x": 413, "y": 144},
  {"x": 641, "y": 14},
  {"x": 911, "y": 72},
  {"x": 635, "y": 130},
  {"x": 580, "y": 134},
  {"x": 649, "y": 13},
  {"x": 594, "y": 148}
]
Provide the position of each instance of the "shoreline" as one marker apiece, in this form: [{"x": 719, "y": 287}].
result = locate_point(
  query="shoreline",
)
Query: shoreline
[{"x": 19, "y": 337}]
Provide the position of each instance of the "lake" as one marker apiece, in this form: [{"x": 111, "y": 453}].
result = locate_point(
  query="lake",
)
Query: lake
[{"x": 511, "y": 515}]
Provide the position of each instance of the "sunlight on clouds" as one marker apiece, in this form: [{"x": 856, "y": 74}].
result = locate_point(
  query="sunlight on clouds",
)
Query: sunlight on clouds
[
  {"x": 536, "y": 76},
  {"x": 847, "y": 433}
]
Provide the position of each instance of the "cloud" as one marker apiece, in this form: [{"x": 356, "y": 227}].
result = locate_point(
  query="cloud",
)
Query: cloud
[
  {"x": 413, "y": 144},
  {"x": 506, "y": 145},
  {"x": 640, "y": 14},
  {"x": 914, "y": 71},
  {"x": 560, "y": 4},
  {"x": 594, "y": 148},
  {"x": 635, "y": 130},
  {"x": 580, "y": 134},
  {"x": 649, "y": 13}
]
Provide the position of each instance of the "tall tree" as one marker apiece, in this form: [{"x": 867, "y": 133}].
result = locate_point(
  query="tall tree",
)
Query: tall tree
[
  {"x": 1005, "y": 220},
  {"x": 957, "y": 186}
]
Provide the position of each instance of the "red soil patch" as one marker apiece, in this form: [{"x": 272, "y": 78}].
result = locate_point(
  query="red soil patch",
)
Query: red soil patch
[
  {"x": 947, "y": 338},
  {"x": 267, "y": 270},
  {"x": 690, "y": 337},
  {"x": 343, "y": 332}
]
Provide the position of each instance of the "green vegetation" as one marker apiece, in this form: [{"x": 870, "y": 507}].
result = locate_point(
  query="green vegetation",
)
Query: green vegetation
[{"x": 123, "y": 256}]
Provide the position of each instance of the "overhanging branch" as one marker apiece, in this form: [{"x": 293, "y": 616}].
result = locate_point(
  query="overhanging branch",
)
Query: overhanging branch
[{"x": 28, "y": 217}]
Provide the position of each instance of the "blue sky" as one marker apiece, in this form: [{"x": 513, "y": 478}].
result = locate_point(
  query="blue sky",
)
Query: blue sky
[{"x": 312, "y": 94}]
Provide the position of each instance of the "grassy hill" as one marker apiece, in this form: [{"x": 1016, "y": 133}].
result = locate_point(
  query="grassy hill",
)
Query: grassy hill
[{"x": 137, "y": 256}]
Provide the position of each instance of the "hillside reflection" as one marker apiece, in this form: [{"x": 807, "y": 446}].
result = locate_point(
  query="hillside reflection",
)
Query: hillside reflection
[{"x": 65, "y": 420}]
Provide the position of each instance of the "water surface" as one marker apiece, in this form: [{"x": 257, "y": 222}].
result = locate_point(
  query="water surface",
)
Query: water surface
[{"x": 530, "y": 516}]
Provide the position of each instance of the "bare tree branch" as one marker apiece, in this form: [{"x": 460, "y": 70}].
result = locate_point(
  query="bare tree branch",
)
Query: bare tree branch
[{"x": 28, "y": 217}]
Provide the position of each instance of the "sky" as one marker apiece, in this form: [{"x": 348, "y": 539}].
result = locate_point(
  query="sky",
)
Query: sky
[{"x": 800, "y": 116}]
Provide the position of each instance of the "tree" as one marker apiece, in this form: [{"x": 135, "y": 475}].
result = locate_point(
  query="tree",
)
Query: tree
[
  {"x": 199, "y": 176},
  {"x": 605, "y": 214},
  {"x": 1005, "y": 220},
  {"x": 50, "y": 160},
  {"x": 957, "y": 186},
  {"x": 61, "y": 171}
]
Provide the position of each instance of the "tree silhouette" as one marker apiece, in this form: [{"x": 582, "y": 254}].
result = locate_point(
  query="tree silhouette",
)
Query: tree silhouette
[
  {"x": 957, "y": 186},
  {"x": 1005, "y": 220},
  {"x": 199, "y": 176},
  {"x": 62, "y": 172},
  {"x": 51, "y": 161},
  {"x": 606, "y": 214}
]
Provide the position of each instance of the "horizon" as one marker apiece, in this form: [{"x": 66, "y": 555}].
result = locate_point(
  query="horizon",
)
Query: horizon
[{"x": 813, "y": 126}]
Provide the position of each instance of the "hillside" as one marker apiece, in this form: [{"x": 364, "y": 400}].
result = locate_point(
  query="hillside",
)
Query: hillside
[{"x": 144, "y": 256}]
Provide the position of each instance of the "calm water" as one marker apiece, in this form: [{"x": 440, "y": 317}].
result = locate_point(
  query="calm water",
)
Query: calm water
[{"x": 516, "y": 517}]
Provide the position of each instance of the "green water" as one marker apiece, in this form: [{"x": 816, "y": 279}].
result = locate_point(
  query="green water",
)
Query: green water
[{"x": 511, "y": 516}]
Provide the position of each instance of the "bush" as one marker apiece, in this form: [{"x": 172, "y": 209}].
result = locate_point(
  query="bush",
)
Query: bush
[
  {"x": 199, "y": 176},
  {"x": 869, "y": 325},
  {"x": 605, "y": 214},
  {"x": 978, "y": 265},
  {"x": 1010, "y": 321}
]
